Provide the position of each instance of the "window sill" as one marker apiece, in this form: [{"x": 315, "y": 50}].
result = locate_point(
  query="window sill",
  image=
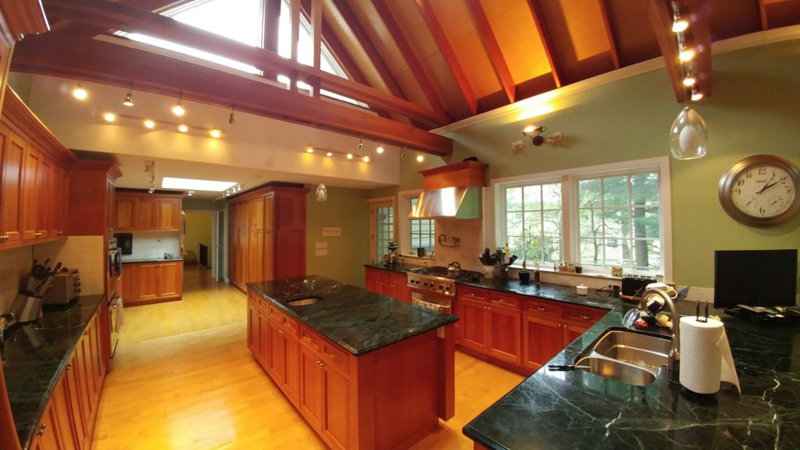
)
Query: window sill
[
  {"x": 414, "y": 256},
  {"x": 599, "y": 276}
]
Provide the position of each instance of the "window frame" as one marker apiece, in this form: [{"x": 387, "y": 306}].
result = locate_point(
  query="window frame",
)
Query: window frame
[
  {"x": 494, "y": 220},
  {"x": 503, "y": 234},
  {"x": 410, "y": 234},
  {"x": 404, "y": 224}
]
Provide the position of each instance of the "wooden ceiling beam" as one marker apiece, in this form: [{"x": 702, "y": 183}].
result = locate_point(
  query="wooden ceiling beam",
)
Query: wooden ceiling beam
[
  {"x": 547, "y": 41},
  {"x": 448, "y": 53},
  {"x": 493, "y": 49},
  {"x": 612, "y": 41},
  {"x": 111, "y": 15},
  {"x": 762, "y": 11},
  {"x": 103, "y": 62},
  {"x": 700, "y": 27},
  {"x": 417, "y": 68},
  {"x": 661, "y": 21}
]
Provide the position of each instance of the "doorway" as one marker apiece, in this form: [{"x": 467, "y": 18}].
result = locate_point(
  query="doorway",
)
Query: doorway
[{"x": 198, "y": 237}]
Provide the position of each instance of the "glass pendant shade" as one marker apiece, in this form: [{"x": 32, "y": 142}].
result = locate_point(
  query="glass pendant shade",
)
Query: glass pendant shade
[
  {"x": 688, "y": 135},
  {"x": 322, "y": 193}
]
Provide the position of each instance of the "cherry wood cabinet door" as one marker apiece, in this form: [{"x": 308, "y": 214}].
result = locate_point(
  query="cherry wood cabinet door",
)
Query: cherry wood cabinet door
[
  {"x": 572, "y": 332},
  {"x": 253, "y": 329},
  {"x": 264, "y": 338},
  {"x": 147, "y": 213},
  {"x": 65, "y": 186},
  {"x": 47, "y": 435},
  {"x": 336, "y": 407},
  {"x": 277, "y": 353},
  {"x": 291, "y": 210},
  {"x": 169, "y": 215},
  {"x": 74, "y": 387},
  {"x": 82, "y": 370},
  {"x": 371, "y": 280},
  {"x": 128, "y": 282},
  {"x": 290, "y": 251},
  {"x": 56, "y": 226},
  {"x": 269, "y": 260},
  {"x": 255, "y": 256},
  {"x": 170, "y": 276},
  {"x": 11, "y": 179},
  {"x": 505, "y": 336},
  {"x": 292, "y": 368},
  {"x": 61, "y": 407},
  {"x": 125, "y": 213},
  {"x": 30, "y": 194},
  {"x": 311, "y": 401},
  {"x": 543, "y": 338},
  {"x": 475, "y": 328},
  {"x": 146, "y": 276},
  {"x": 44, "y": 198},
  {"x": 89, "y": 370}
]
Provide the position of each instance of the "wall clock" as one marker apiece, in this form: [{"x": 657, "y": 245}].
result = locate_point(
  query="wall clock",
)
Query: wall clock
[{"x": 761, "y": 191}]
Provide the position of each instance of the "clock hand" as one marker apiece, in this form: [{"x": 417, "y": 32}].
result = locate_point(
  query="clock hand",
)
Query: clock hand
[
  {"x": 770, "y": 185},
  {"x": 766, "y": 184}
]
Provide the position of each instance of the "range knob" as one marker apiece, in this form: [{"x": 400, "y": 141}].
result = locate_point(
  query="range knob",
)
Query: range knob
[{"x": 441, "y": 286}]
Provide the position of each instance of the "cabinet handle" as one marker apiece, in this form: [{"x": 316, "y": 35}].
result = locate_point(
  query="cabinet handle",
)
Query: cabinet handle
[
  {"x": 281, "y": 332},
  {"x": 584, "y": 317},
  {"x": 541, "y": 309},
  {"x": 37, "y": 234},
  {"x": 320, "y": 363},
  {"x": 4, "y": 237},
  {"x": 41, "y": 430},
  {"x": 332, "y": 355},
  {"x": 69, "y": 367},
  {"x": 86, "y": 333}
]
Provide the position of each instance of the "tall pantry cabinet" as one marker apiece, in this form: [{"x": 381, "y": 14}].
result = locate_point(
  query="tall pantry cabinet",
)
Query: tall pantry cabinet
[{"x": 267, "y": 234}]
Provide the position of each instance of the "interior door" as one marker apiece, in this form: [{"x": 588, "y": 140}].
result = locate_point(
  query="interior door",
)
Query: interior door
[{"x": 381, "y": 228}]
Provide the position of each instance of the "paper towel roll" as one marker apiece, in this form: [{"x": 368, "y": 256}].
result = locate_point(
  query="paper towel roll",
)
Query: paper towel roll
[{"x": 705, "y": 356}]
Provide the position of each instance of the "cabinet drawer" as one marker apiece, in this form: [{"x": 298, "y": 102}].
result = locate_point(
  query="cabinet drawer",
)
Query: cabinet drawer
[
  {"x": 333, "y": 356},
  {"x": 544, "y": 308},
  {"x": 583, "y": 315},
  {"x": 291, "y": 325},
  {"x": 473, "y": 293},
  {"x": 510, "y": 301},
  {"x": 311, "y": 340}
]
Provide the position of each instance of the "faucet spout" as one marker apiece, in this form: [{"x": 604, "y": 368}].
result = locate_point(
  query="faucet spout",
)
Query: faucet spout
[{"x": 674, "y": 353}]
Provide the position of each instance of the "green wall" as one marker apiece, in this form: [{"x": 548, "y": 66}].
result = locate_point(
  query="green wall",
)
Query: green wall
[
  {"x": 198, "y": 227},
  {"x": 755, "y": 108},
  {"x": 347, "y": 254}
]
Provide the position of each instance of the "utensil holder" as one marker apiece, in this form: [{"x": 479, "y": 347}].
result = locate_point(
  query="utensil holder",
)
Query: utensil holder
[{"x": 26, "y": 308}]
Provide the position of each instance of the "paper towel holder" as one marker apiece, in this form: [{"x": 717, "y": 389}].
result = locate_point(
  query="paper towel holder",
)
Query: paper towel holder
[{"x": 704, "y": 317}]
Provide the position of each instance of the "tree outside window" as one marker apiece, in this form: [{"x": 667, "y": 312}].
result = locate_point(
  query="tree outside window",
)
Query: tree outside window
[
  {"x": 422, "y": 231},
  {"x": 533, "y": 223}
]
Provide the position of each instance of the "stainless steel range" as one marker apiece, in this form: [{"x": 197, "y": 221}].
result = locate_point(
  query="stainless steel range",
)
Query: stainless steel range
[{"x": 434, "y": 288}]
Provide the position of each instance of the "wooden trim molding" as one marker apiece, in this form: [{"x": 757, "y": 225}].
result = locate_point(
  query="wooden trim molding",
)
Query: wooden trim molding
[{"x": 24, "y": 17}]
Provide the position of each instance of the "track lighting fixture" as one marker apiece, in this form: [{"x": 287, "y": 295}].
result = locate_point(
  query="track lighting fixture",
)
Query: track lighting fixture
[
  {"x": 149, "y": 124},
  {"x": 232, "y": 119},
  {"x": 190, "y": 193},
  {"x": 109, "y": 117},
  {"x": 380, "y": 149},
  {"x": 535, "y": 133},
  {"x": 178, "y": 108},
  {"x": 360, "y": 144},
  {"x": 129, "y": 97},
  {"x": 183, "y": 128},
  {"x": 686, "y": 54},
  {"x": 216, "y": 133},
  {"x": 420, "y": 158},
  {"x": 696, "y": 95},
  {"x": 79, "y": 92},
  {"x": 349, "y": 156},
  {"x": 329, "y": 154},
  {"x": 365, "y": 159},
  {"x": 690, "y": 80},
  {"x": 309, "y": 149}
]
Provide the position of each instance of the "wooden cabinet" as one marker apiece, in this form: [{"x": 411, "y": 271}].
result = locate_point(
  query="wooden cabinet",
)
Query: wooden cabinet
[
  {"x": 48, "y": 435},
  {"x": 336, "y": 407},
  {"x": 311, "y": 387},
  {"x": 11, "y": 186},
  {"x": 152, "y": 282},
  {"x": 391, "y": 284},
  {"x": 263, "y": 224},
  {"x": 521, "y": 332},
  {"x": 137, "y": 211}
]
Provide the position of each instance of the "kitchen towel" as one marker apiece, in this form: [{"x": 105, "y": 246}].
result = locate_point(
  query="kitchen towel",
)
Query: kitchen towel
[{"x": 705, "y": 356}]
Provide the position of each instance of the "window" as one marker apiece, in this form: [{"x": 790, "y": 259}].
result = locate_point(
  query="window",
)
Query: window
[
  {"x": 618, "y": 220},
  {"x": 381, "y": 228},
  {"x": 422, "y": 231},
  {"x": 596, "y": 217},
  {"x": 533, "y": 222},
  {"x": 240, "y": 20}
]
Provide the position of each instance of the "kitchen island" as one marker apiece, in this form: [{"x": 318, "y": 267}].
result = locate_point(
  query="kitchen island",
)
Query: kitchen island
[
  {"x": 365, "y": 371},
  {"x": 578, "y": 410}
]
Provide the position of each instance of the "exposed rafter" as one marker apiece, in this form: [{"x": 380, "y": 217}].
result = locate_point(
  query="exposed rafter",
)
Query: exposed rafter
[
  {"x": 547, "y": 41},
  {"x": 661, "y": 21},
  {"x": 493, "y": 49},
  {"x": 448, "y": 53},
  {"x": 417, "y": 68},
  {"x": 612, "y": 41},
  {"x": 120, "y": 17},
  {"x": 104, "y": 62}
]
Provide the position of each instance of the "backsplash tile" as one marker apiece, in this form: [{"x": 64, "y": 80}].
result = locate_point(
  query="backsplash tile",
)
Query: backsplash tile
[
  {"x": 153, "y": 244},
  {"x": 14, "y": 264},
  {"x": 470, "y": 236}
]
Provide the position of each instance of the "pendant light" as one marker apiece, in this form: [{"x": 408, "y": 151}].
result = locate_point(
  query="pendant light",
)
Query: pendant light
[
  {"x": 322, "y": 191},
  {"x": 688, "y": 135},
  {"x": 129, "y": 97}
]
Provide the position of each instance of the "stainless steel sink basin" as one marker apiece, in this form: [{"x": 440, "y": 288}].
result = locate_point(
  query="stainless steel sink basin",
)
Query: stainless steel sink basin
[
  {"x": 630, "y": 357},
  {"x": 630, "y": 374},
  {"x": 303, "y": 301}
]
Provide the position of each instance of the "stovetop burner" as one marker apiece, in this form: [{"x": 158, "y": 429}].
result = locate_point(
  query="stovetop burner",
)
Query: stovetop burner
[{"x": 436, "y": 279}]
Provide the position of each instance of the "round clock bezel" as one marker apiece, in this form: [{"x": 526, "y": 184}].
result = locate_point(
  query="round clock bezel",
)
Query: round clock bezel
[{"x": 726, "y": 189}]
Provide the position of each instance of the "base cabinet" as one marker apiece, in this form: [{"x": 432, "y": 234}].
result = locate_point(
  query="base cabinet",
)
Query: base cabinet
[
  {"x": 152, "y": 282},
  {"x": 391, "y": 284}
]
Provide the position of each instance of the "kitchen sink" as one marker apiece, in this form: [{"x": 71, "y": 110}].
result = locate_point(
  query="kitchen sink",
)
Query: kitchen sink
[
  {"x": 303, "y": 301},
  {"x": 631, "y": 357}
]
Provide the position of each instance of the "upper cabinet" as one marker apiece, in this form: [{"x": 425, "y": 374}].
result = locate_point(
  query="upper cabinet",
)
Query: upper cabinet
[{"x": 134, "y": 211}]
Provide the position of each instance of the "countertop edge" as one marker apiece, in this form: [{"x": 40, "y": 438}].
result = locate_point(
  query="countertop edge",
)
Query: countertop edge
[{"x": 147, "y": 260}]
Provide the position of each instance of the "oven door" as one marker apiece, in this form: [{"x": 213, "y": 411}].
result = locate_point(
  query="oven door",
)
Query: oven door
[{"x": 434, "y": 302}]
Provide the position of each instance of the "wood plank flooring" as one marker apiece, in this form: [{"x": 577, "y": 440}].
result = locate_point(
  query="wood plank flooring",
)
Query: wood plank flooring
[{"x": 183, "y": 378}]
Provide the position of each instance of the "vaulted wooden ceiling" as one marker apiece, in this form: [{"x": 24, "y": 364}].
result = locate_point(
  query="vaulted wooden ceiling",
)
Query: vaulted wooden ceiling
[{"x": 418, "y": 64}]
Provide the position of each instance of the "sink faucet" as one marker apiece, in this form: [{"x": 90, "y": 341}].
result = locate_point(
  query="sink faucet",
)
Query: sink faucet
[{"x": 674, "y": 352}]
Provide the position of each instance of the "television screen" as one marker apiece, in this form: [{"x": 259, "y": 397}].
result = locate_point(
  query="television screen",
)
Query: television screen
[{"x": 755, "y": 278}]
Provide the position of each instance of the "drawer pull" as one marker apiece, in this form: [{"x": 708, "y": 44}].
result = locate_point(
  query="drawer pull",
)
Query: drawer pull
[
  {"x": 69, "y": 366},
  {"x": 320, "y": 363},
  {"x": 585, "y": 317},
  {"x": 41, "y": 430},
  {"x": 281, "y": 332},
  {"x": 541, "y": 309}
]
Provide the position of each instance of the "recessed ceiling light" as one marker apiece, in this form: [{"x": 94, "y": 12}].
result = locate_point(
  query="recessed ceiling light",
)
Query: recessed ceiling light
[
  {"x": 216, "y": 133},
  {"x": 149, "y": 124},
  {"x": 183, "y": 128},
  {"x": 109, "y": 117},
  {"x": 188, "y": 184},
  {"x": 529, "y": 129}
]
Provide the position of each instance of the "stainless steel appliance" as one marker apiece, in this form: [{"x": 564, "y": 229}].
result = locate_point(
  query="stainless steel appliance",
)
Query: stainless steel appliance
[
  {"x": 435, "y": 287},
  {"x": 115, "y": 321},
  {"x": 66, "y": 287},
  {"x": 115, "y": 297}
]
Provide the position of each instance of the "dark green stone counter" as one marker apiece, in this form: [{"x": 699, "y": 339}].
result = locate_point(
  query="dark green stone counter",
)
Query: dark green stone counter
[
  {"x": 35, "y": 355},
  {"x": 578, "y": 410},
  {"x": 358, "y": 320}
]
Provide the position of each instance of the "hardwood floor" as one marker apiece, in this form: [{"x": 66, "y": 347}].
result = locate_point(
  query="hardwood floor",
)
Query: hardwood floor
[{"x": 183, "y": 378}]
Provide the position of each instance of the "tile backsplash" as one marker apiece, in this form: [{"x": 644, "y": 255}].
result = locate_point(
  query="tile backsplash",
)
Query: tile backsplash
[
  {"x": 14, "y": 264},
  {"x": 85, "y": 253},
  {"x": 153, "y": 244},
  {"x": 469, "y": 233}
]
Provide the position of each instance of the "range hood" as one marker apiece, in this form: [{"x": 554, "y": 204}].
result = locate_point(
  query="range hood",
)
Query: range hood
[{"x": 452, "y": 191}]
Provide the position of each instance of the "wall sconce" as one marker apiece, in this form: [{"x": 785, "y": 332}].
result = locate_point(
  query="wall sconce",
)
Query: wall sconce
[{"x": 535, "y": 133}]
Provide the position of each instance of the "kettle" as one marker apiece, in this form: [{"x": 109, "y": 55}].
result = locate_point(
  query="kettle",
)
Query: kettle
[{"x": 454, "y": 269}]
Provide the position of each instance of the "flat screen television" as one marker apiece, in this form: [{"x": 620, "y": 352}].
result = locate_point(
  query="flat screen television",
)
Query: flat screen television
[{"x": 755, "y": 278}]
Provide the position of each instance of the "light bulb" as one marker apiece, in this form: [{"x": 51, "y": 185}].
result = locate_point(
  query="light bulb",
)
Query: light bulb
[
  {"x": 696, "y": 95},
  {"x": 349, "y": 156},
  {"x": 689, "y": 81},
  {"x": 178, "y": 109},
  {"x": 80, "y": 93},
  {"x": 329, "y": 154},
  {"x": 687, "y": 55},
  {"x": 149, "y": 124},
  {"x": 183, "y": 128},
  {"x": 688, "y": 135},
  {"x": 366, "y": 159},
  {"x": 109, "y": 117},
  {"x": 216, "y": 133},
  {"x": 420, "y": 158},
  {"x": 379, "y": 149},
  {"x": 529, "y": 129},
  {"x": 128, "y": 100},
  {"x": 309, "y": 149},
  {"x": 679, "y": 25}
]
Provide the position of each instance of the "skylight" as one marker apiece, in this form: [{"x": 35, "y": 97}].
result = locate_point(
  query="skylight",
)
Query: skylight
[
  {"x": 189, "y": 184},
  {"x": 240, "y": 20}
]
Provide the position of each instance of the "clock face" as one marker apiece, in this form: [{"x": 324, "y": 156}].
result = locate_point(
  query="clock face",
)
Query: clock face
[{"x": 763, "y": 191}]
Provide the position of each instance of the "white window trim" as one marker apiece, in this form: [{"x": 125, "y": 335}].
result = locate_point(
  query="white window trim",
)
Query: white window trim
[
  {"x": 403, "y": 211},
  {"x": 494, "y": 223}
]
